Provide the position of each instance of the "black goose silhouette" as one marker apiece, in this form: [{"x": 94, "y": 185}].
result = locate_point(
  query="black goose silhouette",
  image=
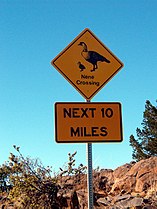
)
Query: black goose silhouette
[
  {"x": 92, "y": 56},
  {"x": 81, "y": 66}
]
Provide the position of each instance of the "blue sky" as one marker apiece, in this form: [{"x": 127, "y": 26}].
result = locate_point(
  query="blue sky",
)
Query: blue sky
[{"x": 32, "y": 33}]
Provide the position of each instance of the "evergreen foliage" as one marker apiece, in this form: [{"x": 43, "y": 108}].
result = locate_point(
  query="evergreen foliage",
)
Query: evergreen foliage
[{"x": 145, "y": 145}]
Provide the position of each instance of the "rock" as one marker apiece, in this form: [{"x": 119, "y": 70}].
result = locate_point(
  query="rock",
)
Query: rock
[
  {"x": 104, "y": 201},
  {"x": 138, "y": 194},
  {"x": 121, "y": 171},
  {"x": 146, "y": 179},
  {"x": 74, "y": 201},
  {"x": 139, "y": 177},
  {"x": 120, "y": 198},
  {"x": 83, "y": 198},
  {"x": 136, "y": 201},
  {"x": 106, "y": 180},
  {"x": 130, "y": 202}
]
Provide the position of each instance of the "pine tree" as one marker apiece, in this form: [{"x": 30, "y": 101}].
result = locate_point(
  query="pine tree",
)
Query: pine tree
[{"x": 145, "y": 145}]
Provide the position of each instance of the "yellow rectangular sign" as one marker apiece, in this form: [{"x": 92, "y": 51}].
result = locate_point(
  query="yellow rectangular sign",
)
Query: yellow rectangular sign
[{"x": 88, "y": 122}]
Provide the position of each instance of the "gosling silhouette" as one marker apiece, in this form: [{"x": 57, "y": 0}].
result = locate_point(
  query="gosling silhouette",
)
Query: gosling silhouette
[
  {"x": 92, "y": 56},
  {"x": 81, "y": 66}
]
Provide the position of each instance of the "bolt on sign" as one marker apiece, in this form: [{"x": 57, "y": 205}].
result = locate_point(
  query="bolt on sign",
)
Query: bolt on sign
[
  {"x": 87, "y": 64},
  {"x": 88, "y": 122}
]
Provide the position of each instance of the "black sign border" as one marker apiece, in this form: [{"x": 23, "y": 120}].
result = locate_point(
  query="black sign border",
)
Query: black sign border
[
  {"x": 88, "y": 141},
  {"x": 71, "y": 82}
]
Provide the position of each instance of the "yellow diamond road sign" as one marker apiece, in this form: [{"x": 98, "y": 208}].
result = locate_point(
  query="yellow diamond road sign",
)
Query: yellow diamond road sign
[{"x": 87, "y": 64}]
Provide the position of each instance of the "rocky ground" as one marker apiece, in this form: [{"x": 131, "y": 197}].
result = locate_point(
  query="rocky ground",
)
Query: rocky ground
[{"x": 131, "y": 186}]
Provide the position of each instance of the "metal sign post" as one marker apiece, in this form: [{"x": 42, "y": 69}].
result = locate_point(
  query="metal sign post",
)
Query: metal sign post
[
  {"x": 88, "y": 65},
  {"x": 89, "y": 174}
]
